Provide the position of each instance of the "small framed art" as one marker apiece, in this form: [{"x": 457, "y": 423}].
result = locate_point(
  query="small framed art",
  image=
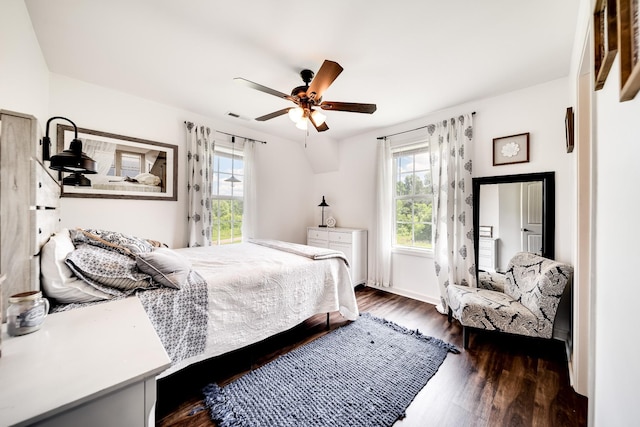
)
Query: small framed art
[
  {"x": 629, "y": 27},
  {"x": 569, "y": 129},
  {"x": 511, "y": 149},
  {"x": 605, "y": 40}
]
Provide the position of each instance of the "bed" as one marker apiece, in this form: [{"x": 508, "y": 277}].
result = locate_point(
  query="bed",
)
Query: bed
[{"x": 205, "y": 301}]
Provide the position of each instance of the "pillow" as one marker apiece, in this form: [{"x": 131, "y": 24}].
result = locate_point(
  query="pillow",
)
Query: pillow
[
  {"x": 107, "y": 270},
  {"x": 165, "y": 266},
  {"x": 111, "y": 240},
  {"x": 58, "y": 281}
]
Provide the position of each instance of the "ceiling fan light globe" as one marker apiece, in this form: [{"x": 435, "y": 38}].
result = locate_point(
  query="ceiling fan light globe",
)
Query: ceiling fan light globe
[
  {"x": 318, "y": 117},
  {"x": 302, "y": 124},
  {"x": 295, "y": 114}
]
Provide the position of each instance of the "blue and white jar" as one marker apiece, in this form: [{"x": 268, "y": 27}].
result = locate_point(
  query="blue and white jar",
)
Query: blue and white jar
[{"x": 26, "y": 312}]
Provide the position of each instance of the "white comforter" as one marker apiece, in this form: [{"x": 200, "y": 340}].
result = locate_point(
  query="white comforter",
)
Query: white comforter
[{"x": 255, "y": 291}]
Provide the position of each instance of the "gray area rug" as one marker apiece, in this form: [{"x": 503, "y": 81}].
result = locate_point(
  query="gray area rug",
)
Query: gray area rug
[{"x": 365, "y": 373}]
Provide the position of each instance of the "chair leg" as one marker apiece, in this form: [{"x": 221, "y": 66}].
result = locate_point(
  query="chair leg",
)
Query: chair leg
[
  {"x": 450, "y": 315},
  {"x": 465, "y": 337}
]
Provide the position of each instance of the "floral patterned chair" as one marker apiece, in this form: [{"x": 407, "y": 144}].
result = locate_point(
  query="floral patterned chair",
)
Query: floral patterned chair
[{"x": 532, "y": 289}]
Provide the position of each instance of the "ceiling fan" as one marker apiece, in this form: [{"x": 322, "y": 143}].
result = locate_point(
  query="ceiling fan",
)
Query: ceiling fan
[{"x": 309, "y": 96}]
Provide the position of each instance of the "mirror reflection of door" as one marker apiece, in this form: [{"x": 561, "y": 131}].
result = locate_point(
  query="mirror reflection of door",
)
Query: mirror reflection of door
[
  {"x": 531, "y": 217},
  {"x": 514, "y": 211}
]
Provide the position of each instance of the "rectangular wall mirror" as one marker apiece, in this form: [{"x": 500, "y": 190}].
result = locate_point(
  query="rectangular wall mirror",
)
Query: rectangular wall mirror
[
  {"x": 128, "y": 168},
  {"x": 520, "y": 212}
]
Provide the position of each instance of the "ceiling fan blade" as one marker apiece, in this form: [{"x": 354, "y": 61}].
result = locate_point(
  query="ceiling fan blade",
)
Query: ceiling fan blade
[
  {"x": 273, "y": 115},
  {"x": 264, "y": 89},
  {"x": 319, "y": 128},
  {"x": 353, "y": 107},
  {"x": 323, "y": 79}
]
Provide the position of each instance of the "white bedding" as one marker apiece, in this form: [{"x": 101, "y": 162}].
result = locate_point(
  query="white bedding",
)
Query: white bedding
[{"x": 254, "y": 292}]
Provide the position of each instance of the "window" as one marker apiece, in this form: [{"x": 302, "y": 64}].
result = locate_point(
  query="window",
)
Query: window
[
  {"x": 126, "y": 164},
  {"x": 227, "y": 197},
  {"x": 412, "y": 198}
]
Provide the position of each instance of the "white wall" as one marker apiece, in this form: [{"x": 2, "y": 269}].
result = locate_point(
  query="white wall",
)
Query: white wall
[
  {"x": 617, "y": 150},
  {"x": 24, "y": 76},
  {"x": 539, "y": 110},
  {"x": 283, "y": 173}
]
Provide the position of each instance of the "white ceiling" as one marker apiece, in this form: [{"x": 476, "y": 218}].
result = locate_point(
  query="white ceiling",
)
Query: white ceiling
[{"x": 410, "y": 57}]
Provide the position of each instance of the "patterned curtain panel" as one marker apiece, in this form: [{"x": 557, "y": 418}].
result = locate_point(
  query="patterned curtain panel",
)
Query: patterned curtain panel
[
  {"x": 381, "y": 262},
  {"x": 200, "y": 146},
  {"x": 249, "y": 217},
  {"x": 454, "y": 256},
  {"x": 102, "y": 152}
]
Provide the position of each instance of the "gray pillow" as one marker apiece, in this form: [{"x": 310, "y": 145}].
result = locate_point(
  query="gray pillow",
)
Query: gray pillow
[
  {"x": 165, "y": 266},
  {"x": 106, "y": 270}
]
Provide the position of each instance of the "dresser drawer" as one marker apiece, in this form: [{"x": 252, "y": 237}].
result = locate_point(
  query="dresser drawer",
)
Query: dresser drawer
[
  {"x": 317, "y": 234},
  {"x": 336, "y": 236},
  {"x": 485, "y": 244},
  {"x": 318, "y": 243}
]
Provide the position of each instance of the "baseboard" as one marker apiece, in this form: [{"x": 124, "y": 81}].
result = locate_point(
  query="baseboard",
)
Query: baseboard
[{"x": 408, "y": 294}]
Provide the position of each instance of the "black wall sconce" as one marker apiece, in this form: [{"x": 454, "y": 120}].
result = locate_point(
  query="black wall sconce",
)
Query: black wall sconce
[{"x": 71, "y": 160}]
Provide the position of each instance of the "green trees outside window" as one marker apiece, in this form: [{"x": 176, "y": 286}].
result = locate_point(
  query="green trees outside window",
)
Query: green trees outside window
[
  {"x": 413, "y": 199},
  {"x": 227, "y": 198}
]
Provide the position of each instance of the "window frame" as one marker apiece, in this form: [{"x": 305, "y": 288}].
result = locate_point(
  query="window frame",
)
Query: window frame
[{"x": 415, "y": 147}]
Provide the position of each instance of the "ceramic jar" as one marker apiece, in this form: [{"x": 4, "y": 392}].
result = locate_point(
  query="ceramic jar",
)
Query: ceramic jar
[{"x": 26, "y": 312}]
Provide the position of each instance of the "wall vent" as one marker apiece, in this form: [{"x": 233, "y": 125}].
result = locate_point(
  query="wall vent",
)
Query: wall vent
[{"x": 237, "y": 116}]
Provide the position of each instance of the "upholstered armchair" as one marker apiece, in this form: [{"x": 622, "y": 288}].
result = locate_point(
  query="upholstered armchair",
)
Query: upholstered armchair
[{"x": 533, "y": 286}]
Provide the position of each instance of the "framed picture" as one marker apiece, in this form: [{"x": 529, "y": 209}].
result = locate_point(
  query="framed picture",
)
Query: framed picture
[
  {"x": 568, "y": 128},
  {"x": 511, "y": 149},
  {"x": 629, "y": 47},
  {"x": 605, "y": 39},
  {"x": 485, "y": 231},
  {"x": 128, "y": 168}
]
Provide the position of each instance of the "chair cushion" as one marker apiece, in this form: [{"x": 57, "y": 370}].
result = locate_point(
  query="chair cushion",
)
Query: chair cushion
[
  {"x": 491, "y": 310},
  {"x": 491, "y": 281}
]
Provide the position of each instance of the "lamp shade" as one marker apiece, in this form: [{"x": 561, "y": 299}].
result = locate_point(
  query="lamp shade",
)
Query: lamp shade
[
  {"x": 323, "y": 203},
  {"x": 73, "y": 160}
]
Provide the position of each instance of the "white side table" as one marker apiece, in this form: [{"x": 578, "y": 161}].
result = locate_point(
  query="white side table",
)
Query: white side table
[
  {"x": 89, "y": 366},
  {"x": 350, "y": 241}
]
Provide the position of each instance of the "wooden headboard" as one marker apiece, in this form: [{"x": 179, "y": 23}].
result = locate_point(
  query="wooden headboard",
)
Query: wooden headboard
[{"x": 29, "y": 202}]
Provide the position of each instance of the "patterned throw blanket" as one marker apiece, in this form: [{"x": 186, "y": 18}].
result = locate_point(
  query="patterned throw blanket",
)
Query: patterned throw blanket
[{"x": 179, "y": 317}]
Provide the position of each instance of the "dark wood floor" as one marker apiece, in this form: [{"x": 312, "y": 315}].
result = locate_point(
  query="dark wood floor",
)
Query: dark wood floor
[{"x": 499, "y": 381}]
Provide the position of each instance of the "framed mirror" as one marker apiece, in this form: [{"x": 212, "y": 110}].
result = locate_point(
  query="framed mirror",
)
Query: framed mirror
[
  {"x": 128, "y": 168},
  {"x": 515, "y": 213}
]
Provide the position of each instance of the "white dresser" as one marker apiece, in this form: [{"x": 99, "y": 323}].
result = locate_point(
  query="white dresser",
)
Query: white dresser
[
  {"x": 351, "y": 241},
  {"x": 88, "y": 366},
  {"x": 487, "y": 254}
]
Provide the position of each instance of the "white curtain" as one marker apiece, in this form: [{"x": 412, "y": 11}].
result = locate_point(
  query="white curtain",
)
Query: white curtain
[
  {"x": 381, "y": 263},
  {"x": 249, "y": 217},
  {"x": 200, "y": 145},
  {"x": 102, "y": 152},
  {"x": 454, "y": 255}
]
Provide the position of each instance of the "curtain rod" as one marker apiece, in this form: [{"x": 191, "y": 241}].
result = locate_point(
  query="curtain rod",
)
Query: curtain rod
[
  {"x": 238, "y": 136},
  {"x": 411, "y": 130}
]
